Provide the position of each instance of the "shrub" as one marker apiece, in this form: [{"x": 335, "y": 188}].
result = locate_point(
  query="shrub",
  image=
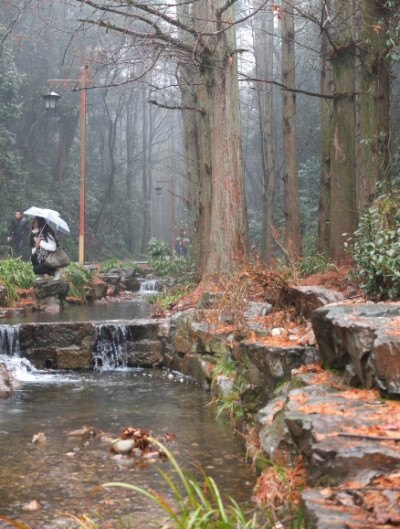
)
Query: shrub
[
  {"x": 375, "y": 249},
  {"x": 15, "y": 274},
  {"x": 162, "y": 263},
  {"x": 112, "y": 263},
  {"x": 315, "y": 264},
  {"x": 76, "y": 275}
]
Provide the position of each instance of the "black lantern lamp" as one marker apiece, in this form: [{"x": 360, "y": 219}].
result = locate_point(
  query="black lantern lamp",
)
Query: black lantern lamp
[
  {"x": 158, "y": 190},
  {"x": 50, "y": 100}
]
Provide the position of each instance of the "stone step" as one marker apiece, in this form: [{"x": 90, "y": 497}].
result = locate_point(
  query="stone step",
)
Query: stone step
[{"x": 349, "y": 440}]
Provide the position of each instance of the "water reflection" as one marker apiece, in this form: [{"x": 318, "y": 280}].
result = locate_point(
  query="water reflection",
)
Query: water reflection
[
  {"x": 119, "y": 310},
  {"x": 60, "y": 473}
]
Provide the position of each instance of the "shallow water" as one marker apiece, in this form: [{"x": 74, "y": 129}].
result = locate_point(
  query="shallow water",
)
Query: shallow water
[
  {"x": 61, "y": 473},
  {"x": 136, "y": 307}
]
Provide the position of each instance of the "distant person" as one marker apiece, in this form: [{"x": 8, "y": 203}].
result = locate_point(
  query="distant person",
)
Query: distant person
[
  {"x": 17, "y": 231},
  {"x": 180, "y": 247},
  {"x": 43, "y": 241}
]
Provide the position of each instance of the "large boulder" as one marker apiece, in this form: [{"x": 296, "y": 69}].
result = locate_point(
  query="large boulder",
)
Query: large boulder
[
  {"x": 364, "y": 337},
  {"x": 113, "y": 281},
  {"x": 94, "y": 290},
  {"x": 50, "y": 295},
  {"x": 308, "y": 298}
]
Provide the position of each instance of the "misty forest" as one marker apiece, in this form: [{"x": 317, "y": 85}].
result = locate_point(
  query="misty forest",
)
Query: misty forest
[{"x": 243, "y": 124}]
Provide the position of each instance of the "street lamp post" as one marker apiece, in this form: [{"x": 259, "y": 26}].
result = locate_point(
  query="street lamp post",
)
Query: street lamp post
[{"x": 50, "y": 101}]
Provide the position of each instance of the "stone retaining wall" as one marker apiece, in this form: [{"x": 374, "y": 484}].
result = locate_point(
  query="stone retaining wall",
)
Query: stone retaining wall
[{"x": 72, "y": 345}]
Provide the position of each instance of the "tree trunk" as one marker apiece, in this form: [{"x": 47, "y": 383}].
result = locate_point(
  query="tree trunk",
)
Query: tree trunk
[
  {"x": 130, "y": 140},
  {"x": 67, "y": 129},
  {"x": 109, "y": 192},
  {"x": 326, "y": 139},
  {"x": 264, "y": 70},
  {"x": 375, "y": 102},
  {"x": 146, "y": 172},
  {"x": 228, "y": 231},
  {"x": 343, "y": 216},
  {"x": 197, "y": 152},
  {"x": 290, "y": 175}
]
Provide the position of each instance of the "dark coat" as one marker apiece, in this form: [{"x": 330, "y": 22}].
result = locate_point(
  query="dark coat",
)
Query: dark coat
[{"x": 18, "y": 229}]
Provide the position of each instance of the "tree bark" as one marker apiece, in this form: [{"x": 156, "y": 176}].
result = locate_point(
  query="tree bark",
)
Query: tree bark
[
  {"x": 326, "y": 138},
  {"x": 67, "y": 129},
  {"x": 343, "y": 215},
  {"x": 196, "y": 139},
  {"x": 375, "y": 102},
  {"x": 130, "y": 140},
  {"x": 290, "y": 168},
  {"x": 264, "y": 58},
  {"x": 226, "y": 247},
  {"x": 146, "y": 172},
  {"x": 109, "y": 192}
]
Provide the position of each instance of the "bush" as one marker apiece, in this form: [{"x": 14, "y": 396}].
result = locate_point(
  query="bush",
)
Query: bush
[
  {"x": 15, "y": 274},
  {"x": 375, "y": 249},
  {"x": 112, "y": 263},
  {"x": 162, "y": 263},
  {"x": 77, "y": 276},
  {"x": 315, "y": 264}
]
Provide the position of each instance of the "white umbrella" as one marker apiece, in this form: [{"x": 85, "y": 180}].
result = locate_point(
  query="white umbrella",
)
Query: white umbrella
[{"x": 52, "y": 218}]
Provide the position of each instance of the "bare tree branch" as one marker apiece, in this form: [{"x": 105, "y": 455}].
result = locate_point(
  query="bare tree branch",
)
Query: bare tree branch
[
  {"x": 157, "y": 104},
  {"x": 142, "y": 7},
  {"x": 288, "y": 88},
  {"x": 177, "y": 44}
]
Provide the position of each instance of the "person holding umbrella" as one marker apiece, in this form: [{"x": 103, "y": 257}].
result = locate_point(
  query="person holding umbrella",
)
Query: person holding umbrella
[{"x": 43, "y": 241}]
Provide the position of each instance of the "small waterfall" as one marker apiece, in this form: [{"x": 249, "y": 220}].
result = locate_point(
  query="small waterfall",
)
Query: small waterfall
[
  {"x": 9, "y": 340},
  {"x": 111, "y": 347},
  {"x": 148, "y": 286}
]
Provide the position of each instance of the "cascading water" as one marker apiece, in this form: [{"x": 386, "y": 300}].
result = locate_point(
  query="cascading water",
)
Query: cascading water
[
  {"x": 148, "y": 286},
  {"x": 20, "y": 368},
  {"x": 9, "y": 340},
  {"x": 111, "y": 347}
]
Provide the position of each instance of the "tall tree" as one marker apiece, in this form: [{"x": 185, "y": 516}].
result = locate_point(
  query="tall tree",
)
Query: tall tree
[
  {"x": 290, "y": 175},
  {"x": 343, "y": 214},
  {"x": 264, "y": 63},
  {"x": 326, "y": 133},
  {"x": 197, "y": 147},
  {"x": 147, "y": 126},
  {"x": 227, "y": 245},
  {"x": 211, "y": 43},
  {"x": 374, "y": 100},
  {"x": 131, "y": 141}
]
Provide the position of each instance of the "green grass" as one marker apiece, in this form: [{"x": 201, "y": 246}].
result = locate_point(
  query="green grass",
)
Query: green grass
[
  {"x": 77, "y": 276},
  {"x": 113, "y": 263},
  {"x": 195, "y": 505},
  {"x": 15, "y": 274}
]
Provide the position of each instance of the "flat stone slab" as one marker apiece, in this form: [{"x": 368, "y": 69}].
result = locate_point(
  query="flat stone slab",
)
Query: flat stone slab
[
  {"x": 349, "y": 440},
  {"x": 354, "y": 507},
  {"x": 53, "y": 288},
  {"x": 306, "y": 299},
  {"x": 365, "y": 337}
]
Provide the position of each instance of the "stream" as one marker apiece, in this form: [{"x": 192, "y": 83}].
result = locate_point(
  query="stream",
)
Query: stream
[{"x": 61, "y": 473}]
